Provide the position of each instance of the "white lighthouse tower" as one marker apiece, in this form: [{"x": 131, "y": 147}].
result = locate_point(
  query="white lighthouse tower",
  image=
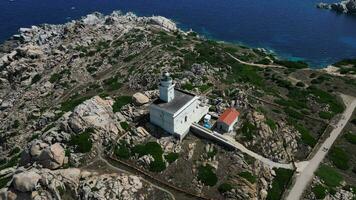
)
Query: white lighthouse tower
[{"x": 166, "y": 88}]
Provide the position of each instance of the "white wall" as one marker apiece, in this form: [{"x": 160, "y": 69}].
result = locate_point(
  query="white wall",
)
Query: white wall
[
  {"x": 225, "y": 127},
  {"x": 178, "y": 126},
  {"x": 184, "y": 119},
  {"x": 161, "y": 119}
]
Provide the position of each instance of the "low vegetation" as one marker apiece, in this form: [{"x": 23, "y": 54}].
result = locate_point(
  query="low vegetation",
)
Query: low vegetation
[
  {"x": 319, "y": 191},
  {"x": 224, "y": 187},
  {"x": 206, "y": 175},
  {"x": 171, "y": 157},
  {"x": 279, "y": 184},
  {"x": 329, "y": 176},
  {"x": 350, "y": 137},
  {"x": 155, "y": 150},
  {"x": 339, "y": 158},
  {"x": 82, "y": 142},
  {"x": 248, "y": 176},
  {"x": 120, "y": 102}
]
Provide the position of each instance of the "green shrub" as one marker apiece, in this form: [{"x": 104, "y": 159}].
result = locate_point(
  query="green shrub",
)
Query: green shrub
[
  {"x": 248, "y": 130},
  {"x": 72, "y": 103},
  {"x": 350, "y": 137},
  {"x": 187, "y": 86},
  {"x": 224, "y": 187},
  {"x": 14, "y": 151},
  {"x": 325, "y": 115},
  {"x": 319, "y": 191},
  {"x": 279, "y": 184},
  {"x": 155, "y": 150},
  {"x": 112, "y": 84},
  {"x": 120, "y": 102},
  {"x": 4, "y": 181},
  {"x": 293, "y": 113},
  {"x": 122, "y": 151},
  {"x": 16, "y": 124},
  {"x": 125, "y": 126},
  {"x": 329, "y": 175},
  {"x": 292, "y": 64},
  {"x": 55, "y": 78},
  {"x": 35, "y": 79},
  {"x": 339, "y": 158},
  {"x": 300, "y": 84},
  {"x": 271, "y": 124},
  {"x": 248, "y": 176},
  {"x": 82, "y": 141},
  {"x": 171, "y": 157},
  {"x": 307, "y": 138},
  {"x": 207, "y": 176},
  {"x": 245, "y": 73}
]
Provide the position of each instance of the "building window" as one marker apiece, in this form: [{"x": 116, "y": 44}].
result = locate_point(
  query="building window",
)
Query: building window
[{"x": 186, "y": 118}]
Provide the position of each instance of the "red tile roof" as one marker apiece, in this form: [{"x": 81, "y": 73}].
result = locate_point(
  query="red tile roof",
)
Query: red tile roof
[{"x": 229, "y": 116}]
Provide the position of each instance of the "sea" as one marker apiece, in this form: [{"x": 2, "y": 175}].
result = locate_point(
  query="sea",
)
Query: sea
[{"x": 292, "y": 29}]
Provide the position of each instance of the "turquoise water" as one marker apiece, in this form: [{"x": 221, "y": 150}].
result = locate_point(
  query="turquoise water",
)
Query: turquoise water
[{"x": 293, "y": 29}]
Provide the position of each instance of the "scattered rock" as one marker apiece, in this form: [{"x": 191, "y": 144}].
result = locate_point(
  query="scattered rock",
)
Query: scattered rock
[{"x": 140, "y": 99}]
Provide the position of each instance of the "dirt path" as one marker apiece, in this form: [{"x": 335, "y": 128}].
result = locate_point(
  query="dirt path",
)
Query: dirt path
[
  {"x": 254, "y": 64},
  {"x": 306, "y": 174}
]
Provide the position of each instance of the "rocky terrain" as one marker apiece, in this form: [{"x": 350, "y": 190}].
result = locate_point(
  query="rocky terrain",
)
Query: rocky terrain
[
  {"x": 347, "y": 6},
  {"x": 74, "y": 110}
]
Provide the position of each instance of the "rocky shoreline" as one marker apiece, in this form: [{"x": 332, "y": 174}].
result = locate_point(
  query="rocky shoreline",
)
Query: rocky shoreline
[
  {"x": 347, "y": 6},
  {"x": 73, "y": 92}
]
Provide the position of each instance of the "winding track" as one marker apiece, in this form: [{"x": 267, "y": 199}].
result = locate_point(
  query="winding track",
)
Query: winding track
[{"x": 306, "y": 175}]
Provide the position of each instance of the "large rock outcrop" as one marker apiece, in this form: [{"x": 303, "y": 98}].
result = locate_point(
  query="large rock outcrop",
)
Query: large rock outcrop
[
  {"x": 49, "y": 156},
  {"x": 94, "y": 113},
  {"x": 26, "y": 181}
]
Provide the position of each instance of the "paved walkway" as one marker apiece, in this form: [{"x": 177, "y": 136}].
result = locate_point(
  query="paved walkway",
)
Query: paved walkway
[
  {"x": 306, "y": 174},
  {"x": 233, "y": 143},
  {"x": 266, "y": 161}
]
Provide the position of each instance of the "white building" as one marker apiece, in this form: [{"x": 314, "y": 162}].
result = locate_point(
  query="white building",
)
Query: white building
[
  {"x": 227, "y": 120},
  {"x": 175, "y": 110}
]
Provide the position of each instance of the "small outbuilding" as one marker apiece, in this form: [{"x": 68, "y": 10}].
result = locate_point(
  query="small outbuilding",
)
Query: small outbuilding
[{"x": 227, "y": 120}]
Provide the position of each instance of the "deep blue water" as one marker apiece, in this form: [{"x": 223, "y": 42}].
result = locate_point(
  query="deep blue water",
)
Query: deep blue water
[{"x": 294, "y": 29}]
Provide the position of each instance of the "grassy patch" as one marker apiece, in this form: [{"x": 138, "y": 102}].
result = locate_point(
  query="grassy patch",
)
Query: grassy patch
[
  {"x": 326, "y": 115},
  {"x": 72, "y": 103},
  {"x": 351, "y": 138},
  {"x": 319, "y": 191},
  {"x": 329, "y": 175},
  {"x": 279, "y": 184},
  {"x": 120, "y": 102},
  {"x": 248, "y": 176},
  {"x": 307, "y": 138},
  {"x": 207, "y": 176},
  {"x": 82, "y": 141},
  {"x": 246, "y": 74},
  {"x": 339, "y": 158},
  {"x": 171, "y": 157},
  {"x": 155, "y": 150}
]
